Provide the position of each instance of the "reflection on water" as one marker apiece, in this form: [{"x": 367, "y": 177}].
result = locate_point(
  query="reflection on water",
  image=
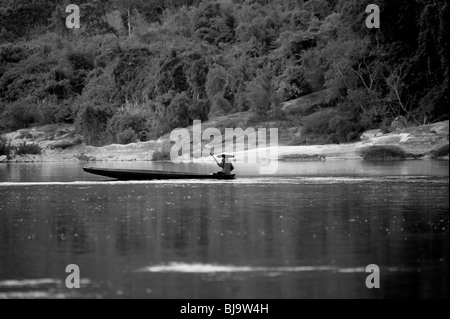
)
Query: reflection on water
[
  {"x": 66, "y": 172},
  {"x": 306, "y": 236}
]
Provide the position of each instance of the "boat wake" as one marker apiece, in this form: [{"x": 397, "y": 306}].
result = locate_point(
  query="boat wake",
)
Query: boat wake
[
  {"x": 247, "y": 181},
  {"x": 45, "y": 288},
  {"x": 198, "y": 268}
]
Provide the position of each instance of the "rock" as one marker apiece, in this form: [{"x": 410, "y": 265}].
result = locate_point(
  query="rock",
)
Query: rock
[
  {"x": 66, "y": 143},
  {"x": 383, "y": 153},
  {"x": 61, "y": 132},
  {"x": 307, "y": 103},
  {"x": 441, "y": 152},
  {"x": 85, "y": 158},
  {"x": 371, "y": 134},
  {"x": 302, "y": 158},
  {"x": 3, "y": 158}
]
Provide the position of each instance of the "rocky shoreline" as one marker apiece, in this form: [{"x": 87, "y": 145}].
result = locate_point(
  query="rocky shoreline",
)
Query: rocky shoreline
[{"x": 60, "y": 143}]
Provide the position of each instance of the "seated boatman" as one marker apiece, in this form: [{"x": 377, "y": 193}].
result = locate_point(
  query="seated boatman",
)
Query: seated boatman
[{"x": 227, "y": 167}]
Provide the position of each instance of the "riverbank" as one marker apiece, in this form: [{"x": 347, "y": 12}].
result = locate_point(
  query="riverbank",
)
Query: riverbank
[{"x": 60, "y": 143}]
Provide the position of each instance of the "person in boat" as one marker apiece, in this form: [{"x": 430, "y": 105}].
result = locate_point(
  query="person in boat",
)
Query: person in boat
[{"x": 227, "y": 167}]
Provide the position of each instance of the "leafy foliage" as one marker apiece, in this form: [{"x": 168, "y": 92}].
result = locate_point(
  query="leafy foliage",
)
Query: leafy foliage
[
  {"x": 5, "y": 148},
  {"x": 163, "y": 154},
  {"x": 383, "y": 153},
  {"x": 177, "y": 61},
  {"x": 214, "y": 23},
  {"x": 126, "y": 127},
  {"x": 18, "y": 115},
  {"x": 28, "y": 149},
  {"x": 92, "y": 121},
  {"x": 24, "y": 148},
  {"x": 261, "y": 95}
]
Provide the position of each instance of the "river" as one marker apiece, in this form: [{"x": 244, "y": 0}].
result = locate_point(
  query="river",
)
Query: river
[{"x": 308, "y": 231}]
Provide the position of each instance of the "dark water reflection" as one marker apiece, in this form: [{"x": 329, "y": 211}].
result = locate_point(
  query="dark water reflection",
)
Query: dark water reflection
[
  {"x": 68, "y": 172},
  {"x": 296, "y": 237}
]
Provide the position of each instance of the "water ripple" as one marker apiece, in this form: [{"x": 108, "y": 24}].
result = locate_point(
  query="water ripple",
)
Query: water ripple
[
  {"x": 198, "y": 268},
  {"x": 248, "y": 181}
]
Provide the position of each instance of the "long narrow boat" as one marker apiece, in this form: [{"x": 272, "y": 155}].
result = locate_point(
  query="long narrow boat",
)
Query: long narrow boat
[{"x": 132, "y": 175}]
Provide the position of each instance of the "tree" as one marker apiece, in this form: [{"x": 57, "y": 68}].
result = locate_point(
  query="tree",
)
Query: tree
[
  {"x": 128, "y": 6},
  {"x": 95, "y": 19},
  {"x": 196, "y": 72},
  {"x": 261, "y": 94},
  {"x": 292, "y": 83},
  {"x": 216, "y": 82},
  {"x": 21, "y": 17},
  {"x": 394, "y": 80},
  {"x": 214, "y": 23},
  {"x": 92, "y": 121}
]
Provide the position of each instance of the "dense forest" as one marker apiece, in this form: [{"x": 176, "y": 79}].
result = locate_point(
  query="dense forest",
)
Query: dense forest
[{"x": 139, "y": 68}]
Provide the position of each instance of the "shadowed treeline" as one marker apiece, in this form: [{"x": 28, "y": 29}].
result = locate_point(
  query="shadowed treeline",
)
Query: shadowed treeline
[{"x": 137, "y": 69}]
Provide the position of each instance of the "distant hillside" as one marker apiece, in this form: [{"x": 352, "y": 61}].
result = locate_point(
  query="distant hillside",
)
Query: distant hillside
[
  {"x": 138, "y": 69},
  {"x": 60, "y": 142}
]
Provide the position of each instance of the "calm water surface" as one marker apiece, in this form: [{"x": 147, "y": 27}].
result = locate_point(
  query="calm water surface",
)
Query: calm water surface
[{"x": 307, "y": 232}]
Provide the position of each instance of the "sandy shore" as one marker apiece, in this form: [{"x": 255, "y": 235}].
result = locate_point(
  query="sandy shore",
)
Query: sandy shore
[{"x": 60, "y": 143}]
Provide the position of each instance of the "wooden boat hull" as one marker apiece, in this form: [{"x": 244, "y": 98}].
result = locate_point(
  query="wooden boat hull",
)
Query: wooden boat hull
[{"x": 133, "y": 175}]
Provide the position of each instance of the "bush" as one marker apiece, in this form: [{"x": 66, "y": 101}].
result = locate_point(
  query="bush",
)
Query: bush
[
  {"x": 128, "y": 136},
  {"x": 10, "y": 53},
  {"x": 216, "y": 82},
  {"x": 383, "y": 153},
  {"x": 28, "y": 149},
  {"x": 18, "y": 115},
  {"x": 160, "y": 155},
  {"x": 124, "y": 127},
  {"x": 58, "y": 112},
  {"x": 5, "y": 148},
  {"x": 199, "y": 109},
  {"x": 23, "y": 113},
  {"x": 177, "y": 113},
  {"x": 214, "y": 23},
  {"x": 91, "y": 123},
  {"x": 220, "y": 106},
  {"x": 442, "y": 151},
  {"x": 80, "y": 60},
  {"x": 261, "y": 94},
  {"x": 2, "y": 147},
  {"x": 371, "y": 111},
  {"x": 343, "y": 129},
  {"x": 163, "y": 154},
  {"x": 241, "y": 103},
  {"x": 293, "y": 84},
  {"x": 28, "y": 78},
  {"x": 133, "y": 75},
  {"x": 170, "y": 111}
]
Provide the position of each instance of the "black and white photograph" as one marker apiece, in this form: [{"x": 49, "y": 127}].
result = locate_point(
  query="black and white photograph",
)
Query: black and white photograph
[{"x": 224, "y": 154}]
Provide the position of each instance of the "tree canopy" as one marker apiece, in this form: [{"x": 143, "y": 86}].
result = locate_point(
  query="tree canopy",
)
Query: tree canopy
[{"x": 153, "y": 65}]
